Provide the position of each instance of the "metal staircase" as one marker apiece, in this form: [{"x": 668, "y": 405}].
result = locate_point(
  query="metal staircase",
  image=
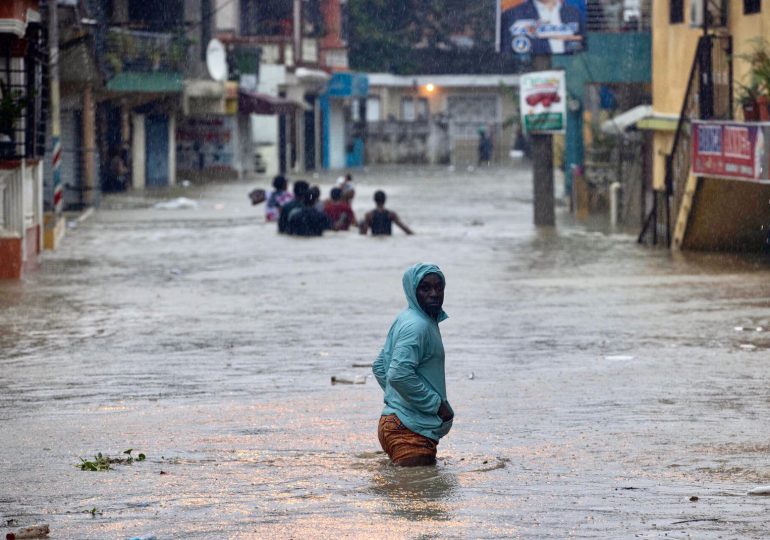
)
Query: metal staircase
[{"x": 708, "y": 96}]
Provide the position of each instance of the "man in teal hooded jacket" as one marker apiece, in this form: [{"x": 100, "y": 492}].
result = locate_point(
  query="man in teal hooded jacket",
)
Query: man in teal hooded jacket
[{"x": 410, "y": 369}]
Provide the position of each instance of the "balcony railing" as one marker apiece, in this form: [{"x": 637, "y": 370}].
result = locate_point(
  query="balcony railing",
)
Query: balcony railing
[
  {"x": 619, "y": 16},
  {"x": 140, "y": 51}
]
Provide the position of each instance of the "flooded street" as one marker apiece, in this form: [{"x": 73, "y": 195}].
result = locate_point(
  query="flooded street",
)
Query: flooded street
[{"x": 599, "y": 386}]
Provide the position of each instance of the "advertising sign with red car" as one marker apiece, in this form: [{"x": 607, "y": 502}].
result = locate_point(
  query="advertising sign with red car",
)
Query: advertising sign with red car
[
  {"x": 730, "y": 150},
  {"x": 542, "y": 97}
]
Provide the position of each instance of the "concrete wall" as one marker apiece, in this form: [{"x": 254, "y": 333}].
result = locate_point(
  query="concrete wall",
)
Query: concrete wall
[
  {"x": 226, "y": 15},
  {"x": 393, "y": 140},
  {"x": 729, "y": 215},
  {"x": 21, "y": 226},
  {"x": 399, "y": 142}
]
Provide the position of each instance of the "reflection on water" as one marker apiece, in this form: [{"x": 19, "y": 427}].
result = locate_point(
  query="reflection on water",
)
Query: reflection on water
[
  {"x": 206, "y": 341},
  {"x": 415, "y": 493}
]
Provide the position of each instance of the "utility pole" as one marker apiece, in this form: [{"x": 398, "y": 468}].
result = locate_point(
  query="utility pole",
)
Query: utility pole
[
  {"x": 297, "y": 27},
  {"x": 542, "y": 168}
]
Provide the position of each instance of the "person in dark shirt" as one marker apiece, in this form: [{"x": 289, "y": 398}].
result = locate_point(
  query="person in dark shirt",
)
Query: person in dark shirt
[
  {"x": 300, "y": 188},
  {"x": 380, "y": 220},
  {"x": 307, "y": 220},
  {"x": 339, "y": 212}
]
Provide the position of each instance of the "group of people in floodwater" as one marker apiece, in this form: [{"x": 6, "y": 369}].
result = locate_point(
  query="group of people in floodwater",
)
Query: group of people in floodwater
[{"x": 302, "y": 212}]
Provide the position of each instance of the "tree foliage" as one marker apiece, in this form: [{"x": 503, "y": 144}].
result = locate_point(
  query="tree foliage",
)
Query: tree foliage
[{"x": 424, "y": 36}]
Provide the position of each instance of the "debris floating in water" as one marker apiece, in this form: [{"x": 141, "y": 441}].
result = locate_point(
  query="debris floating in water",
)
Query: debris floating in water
[
  {"x": 747, "y": 346},
  {"x": 619, "y": 357},
  {"x": 179, "y": 203},
  {"x": 362, "y": 365},
  {"x": 471, "y": 375},
  {"x": 348, "y": 380},
  {"x": 760, "y": 490},
  {"x": 34, "y": 531}
]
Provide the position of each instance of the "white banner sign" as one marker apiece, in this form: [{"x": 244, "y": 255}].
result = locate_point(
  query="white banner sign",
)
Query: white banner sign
[{"x": 543, "y": 101}]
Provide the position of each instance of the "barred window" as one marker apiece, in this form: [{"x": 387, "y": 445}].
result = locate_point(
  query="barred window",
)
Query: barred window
[
  {"x": 676, "y": 11},
  {"x": 752, "y": 6}
]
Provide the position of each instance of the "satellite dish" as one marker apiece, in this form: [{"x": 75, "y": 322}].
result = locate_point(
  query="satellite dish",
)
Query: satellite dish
[{"x": 216, "y": 60}]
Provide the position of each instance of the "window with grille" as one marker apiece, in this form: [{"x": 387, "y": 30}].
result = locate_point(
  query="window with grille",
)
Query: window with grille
[
  {"x": 23, "y": 95},
  {"x": 751, "y": 6}
]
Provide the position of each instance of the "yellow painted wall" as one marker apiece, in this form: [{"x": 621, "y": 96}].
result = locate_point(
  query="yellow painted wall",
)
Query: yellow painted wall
[
  {"x": 744, "y": 28},
  {"x": 673, "y": 52},
  {"x": 661, "y": 145}
]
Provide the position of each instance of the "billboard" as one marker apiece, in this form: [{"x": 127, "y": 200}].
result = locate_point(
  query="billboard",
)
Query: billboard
[
  {"x": 730, "y": 150},
  {"x": 541, "y": 27},
  {"x": 542, "y": 98}
]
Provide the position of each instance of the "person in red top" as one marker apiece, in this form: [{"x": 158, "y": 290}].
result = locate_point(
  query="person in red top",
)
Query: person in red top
[{"x": 339, "y": 211}]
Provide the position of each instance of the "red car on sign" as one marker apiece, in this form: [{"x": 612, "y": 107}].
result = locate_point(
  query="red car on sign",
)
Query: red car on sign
[{"x": 546, "y": 98}]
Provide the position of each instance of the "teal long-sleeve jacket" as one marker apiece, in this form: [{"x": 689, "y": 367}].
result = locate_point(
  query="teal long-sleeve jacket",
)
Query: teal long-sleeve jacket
[{"x": 410, "y": 366}]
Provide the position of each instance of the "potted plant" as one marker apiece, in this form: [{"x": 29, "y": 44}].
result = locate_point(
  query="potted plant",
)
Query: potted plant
[
  {"x": 748, "y": 97},
  {"x": 758, "y": 60},
  {"x": 12, "y": 105}
]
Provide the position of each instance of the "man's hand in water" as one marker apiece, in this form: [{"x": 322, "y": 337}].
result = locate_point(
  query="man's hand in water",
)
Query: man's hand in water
[{"x": 444, "y": 412}]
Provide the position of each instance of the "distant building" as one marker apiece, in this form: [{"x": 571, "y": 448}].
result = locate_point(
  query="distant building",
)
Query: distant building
[
  {"x": 297, "y": 45},
  {"x": 437, "y": 118}
]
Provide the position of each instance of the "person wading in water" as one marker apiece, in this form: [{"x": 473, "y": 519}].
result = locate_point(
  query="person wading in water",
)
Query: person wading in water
[
  {"x": 410, "y": 369},
  {"x": 380, "y": 220}
]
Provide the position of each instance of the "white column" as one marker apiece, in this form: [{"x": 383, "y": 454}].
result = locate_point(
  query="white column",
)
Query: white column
[
  {"x": 171, "y": 149},
  {"x": 138, "y": 155}
]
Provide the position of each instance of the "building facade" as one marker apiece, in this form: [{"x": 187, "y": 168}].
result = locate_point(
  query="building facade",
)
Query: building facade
[
  {"x": 297, "y": 45},
  {"x": 436, "y": 119},
  {"x": 23, "y": 82},
  {"x": 700, "y": 66}
]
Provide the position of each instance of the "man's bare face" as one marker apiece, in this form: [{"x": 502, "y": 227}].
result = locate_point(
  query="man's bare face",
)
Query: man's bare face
[{"x": 430, "y": 294}]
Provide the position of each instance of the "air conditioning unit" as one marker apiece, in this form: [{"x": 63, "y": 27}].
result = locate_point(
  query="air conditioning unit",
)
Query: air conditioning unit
[
  {"x": 696, "y": 13},
  {"x": 716, "y": 9}
]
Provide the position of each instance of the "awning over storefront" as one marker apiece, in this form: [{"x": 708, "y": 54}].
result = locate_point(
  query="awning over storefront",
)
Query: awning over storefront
[
  {"x": 640, "y": 117},
  {"x": 659, "y": 122},
  {"x": 625, "y": 120},
  {"x": 151, "y": 83},
  {"x": 254, "y": 103}
]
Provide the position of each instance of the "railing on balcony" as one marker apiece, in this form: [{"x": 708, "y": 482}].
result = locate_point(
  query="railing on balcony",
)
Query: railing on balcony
[
  {"x": 140, "y": 51},
  {"x": 618, "y": 16}
]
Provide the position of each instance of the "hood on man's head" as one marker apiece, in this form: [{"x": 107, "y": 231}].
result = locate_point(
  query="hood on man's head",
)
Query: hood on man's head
[{"x": 412, "y": 278}]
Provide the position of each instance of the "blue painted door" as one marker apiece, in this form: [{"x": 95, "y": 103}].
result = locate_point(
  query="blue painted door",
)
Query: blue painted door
[{"x": 156, "y": 150}]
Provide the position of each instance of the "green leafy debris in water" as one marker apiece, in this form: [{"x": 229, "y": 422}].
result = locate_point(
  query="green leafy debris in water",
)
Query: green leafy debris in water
[{"x": 104, "y": 463}]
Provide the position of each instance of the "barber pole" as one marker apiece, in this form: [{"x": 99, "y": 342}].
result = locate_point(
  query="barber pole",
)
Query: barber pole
[
  {"x": 53, "y": 43},
  {"x": 55, "y": 169}
]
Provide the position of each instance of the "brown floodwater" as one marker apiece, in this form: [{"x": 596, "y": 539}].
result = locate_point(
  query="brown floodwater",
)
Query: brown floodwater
[{"x": 599, "y": 386}]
